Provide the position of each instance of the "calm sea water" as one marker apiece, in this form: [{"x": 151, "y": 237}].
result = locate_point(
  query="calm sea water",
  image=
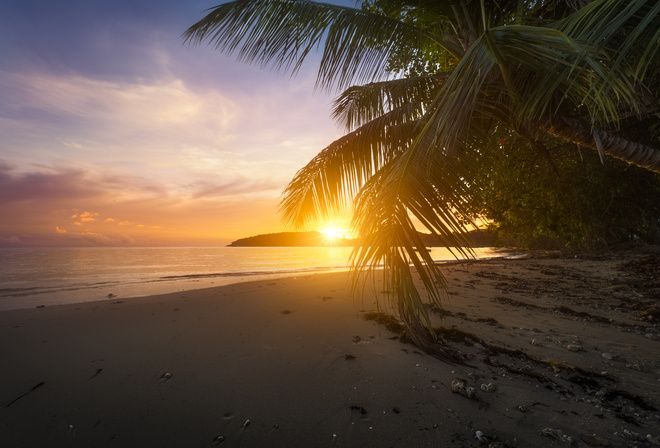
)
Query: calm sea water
[{"x": 30, "y": 277}]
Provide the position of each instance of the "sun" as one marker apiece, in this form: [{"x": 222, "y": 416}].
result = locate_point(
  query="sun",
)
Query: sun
[{"x": 332, "y": 233}]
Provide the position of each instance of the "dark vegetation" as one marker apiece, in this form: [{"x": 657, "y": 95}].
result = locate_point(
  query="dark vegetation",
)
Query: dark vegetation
[
  {"x": 480, "y": 238},
  {"x": 290, "y": 239},
  {"x": 567, "y": 200}
]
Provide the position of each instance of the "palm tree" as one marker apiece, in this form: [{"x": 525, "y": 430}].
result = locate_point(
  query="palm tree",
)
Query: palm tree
[{"x": 571, "y": 69}]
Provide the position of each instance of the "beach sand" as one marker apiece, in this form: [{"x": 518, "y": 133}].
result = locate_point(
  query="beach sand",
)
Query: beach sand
[{"x": 560, "y": 352}]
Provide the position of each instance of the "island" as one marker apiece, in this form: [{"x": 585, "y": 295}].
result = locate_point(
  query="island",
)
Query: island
[{"x": 480, "y": 238}]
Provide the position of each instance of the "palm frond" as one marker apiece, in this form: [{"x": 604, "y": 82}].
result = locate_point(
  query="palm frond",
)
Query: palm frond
[
  {"x": 282, "y": 33},
  {"x": 628, "y": 28},
  {"x": 358, "y": 105},
  {"x": 551, "y": 68},
  {"x": 384, "y": 214},
  {"x": 336, "y": 174}
]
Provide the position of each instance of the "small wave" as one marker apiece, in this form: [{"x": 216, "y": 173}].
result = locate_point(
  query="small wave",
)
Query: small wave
[
  {"x": 245, "y": 273},
  {"x": 21, "y": 292},
  {"x": 4, "y": 291},
  {"x": 34, "y": 290}
]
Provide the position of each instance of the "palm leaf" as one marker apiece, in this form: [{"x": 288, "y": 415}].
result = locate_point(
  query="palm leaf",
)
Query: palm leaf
[
  {"x": 628, "y": 28},
  {"x": 282, "y": 33},
  {"x": 384, "y": 211},
  {"x": 335, "y": 175},
  {"x": 358, "y": 105}
]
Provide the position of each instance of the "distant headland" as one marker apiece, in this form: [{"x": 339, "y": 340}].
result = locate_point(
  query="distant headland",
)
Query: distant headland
[
  {"x": 481, "y": 238},
  {"x": 293, "y": 239}
]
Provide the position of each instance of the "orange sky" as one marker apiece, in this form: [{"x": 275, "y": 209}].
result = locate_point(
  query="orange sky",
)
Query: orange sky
[{"x": 115, "y": 133}]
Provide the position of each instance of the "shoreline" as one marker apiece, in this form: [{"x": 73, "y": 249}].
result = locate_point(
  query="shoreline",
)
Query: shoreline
[
  {"x": 151, "y": 288},
  {"x": 102, "y": 287},
  {"x": 563, "y": 350}
]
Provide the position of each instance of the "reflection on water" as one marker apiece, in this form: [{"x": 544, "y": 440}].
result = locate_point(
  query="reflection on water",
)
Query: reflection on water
[{"x": 45, "y": 276}]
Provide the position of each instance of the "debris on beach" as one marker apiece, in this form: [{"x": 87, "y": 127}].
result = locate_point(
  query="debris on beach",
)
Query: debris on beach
[
  {"x": 557, "y": 434},
  {"x": 360, "y": 409},
  {"x": 35, "y": 387},
  {"x": 490, "y": 387},
  {"x": 460, "y": 386}
]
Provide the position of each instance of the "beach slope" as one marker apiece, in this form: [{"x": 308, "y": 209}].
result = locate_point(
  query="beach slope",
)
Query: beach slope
[{"x": 559, "y": 351}]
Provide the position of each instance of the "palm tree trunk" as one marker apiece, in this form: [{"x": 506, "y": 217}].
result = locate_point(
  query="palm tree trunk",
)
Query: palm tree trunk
[{"x": 582, "y": 134}]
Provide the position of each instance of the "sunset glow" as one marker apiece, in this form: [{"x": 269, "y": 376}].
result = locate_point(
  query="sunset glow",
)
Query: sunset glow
[
  {"x": 334, "y": 233},
  {"x": 116, "y": 133}
]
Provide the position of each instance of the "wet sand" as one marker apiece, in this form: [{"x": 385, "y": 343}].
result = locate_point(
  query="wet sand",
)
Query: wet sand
[{"x": 559, "y": 352}]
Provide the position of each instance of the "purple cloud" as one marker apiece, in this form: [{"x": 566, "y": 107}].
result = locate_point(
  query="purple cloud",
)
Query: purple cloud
[{"x": 68, "y": 183}]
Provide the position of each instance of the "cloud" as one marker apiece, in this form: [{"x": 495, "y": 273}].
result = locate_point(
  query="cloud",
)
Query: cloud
[
  {"x": 232, "y": 188},
  {"x": 12, "y": 240},
  {"x": 134, "y": 111},
  {"x": 58, "y": 230},
  {"x": 85, "y": 216},
  {"x": 87, "y": 238},
  {"x": 43, "y": 185},
  {"x": 136, "y": 135}
]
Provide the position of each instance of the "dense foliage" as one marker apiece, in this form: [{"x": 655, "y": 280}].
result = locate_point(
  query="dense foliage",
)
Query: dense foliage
[{"x": 571, "y": 201}]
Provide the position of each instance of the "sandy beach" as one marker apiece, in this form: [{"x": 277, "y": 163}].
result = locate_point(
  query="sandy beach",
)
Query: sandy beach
[{"x": 558, "y": 351}]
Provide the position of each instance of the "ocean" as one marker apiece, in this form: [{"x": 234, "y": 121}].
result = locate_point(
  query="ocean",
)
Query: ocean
[{"x": 31, "y": 277}]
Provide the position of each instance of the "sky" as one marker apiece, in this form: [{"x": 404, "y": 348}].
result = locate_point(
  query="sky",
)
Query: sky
[{"x": 115, "y": 132}]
